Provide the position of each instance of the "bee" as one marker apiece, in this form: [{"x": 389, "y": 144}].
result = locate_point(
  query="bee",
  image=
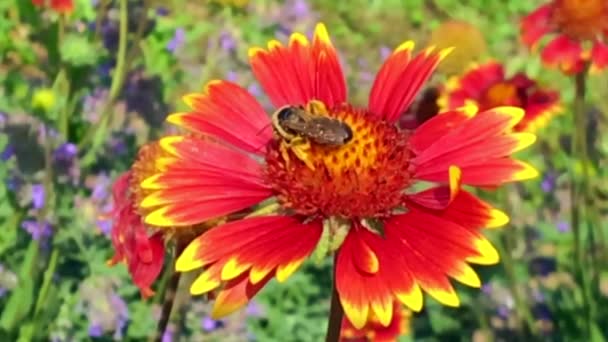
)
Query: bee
[
  {"x": 296, "y": 121},
  {"x": 300, "y": 126}
]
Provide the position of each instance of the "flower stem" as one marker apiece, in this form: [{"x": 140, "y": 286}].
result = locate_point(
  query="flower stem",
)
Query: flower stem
[
  {"x": 169, "y": 293},
  {"x": 118, "y": 78},
  {"x": 579, "y": 191},
  {"x": 336, "y": 313}
]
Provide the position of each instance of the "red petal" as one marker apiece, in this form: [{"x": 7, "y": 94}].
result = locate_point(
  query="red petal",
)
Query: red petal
[
  {"x": 564, "y": 53},
  {"x": 64, "y": 6},
  {"x": 536, "y": 24},
  {"x": 235, "y": 295},
  {"x": 439, "y": 197},
  {"x": 144, "y": 272},
  {"x": 488, "y": 173},
  {"x": 300, "y": 72},
  {"x": 205, "y": 180},
  {"x": 468, "y": 211},
  {"x": 245, "y": 254},
  {"x": 482, "y": 139},
  {"x": 599, "y": 56},
  {"x": 228, "y": 112},
  {"x": 477, "y": 80},
  {"x": 435, "y": 128},
  {"x": 400, "y": 79}
]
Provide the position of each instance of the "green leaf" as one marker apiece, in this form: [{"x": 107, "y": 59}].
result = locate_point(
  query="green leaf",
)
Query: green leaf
[
  {"x": 78, "y": 51},
  {"x": 22, "y": 297}
]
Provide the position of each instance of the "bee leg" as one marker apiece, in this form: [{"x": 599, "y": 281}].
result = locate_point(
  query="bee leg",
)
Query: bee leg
[
  {"x": 300, "y": 148},
  {"x": 285, "y": 146}
]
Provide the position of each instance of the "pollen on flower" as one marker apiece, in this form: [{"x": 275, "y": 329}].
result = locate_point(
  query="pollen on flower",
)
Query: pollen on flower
[
  {"x": 362, "y": 178},
  {"x": 144, "y": 167}
]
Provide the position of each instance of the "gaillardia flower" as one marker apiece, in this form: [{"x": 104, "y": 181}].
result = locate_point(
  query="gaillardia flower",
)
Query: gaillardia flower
[
  {"x": 375, "y": 331},
  {"x": 141, "y": 247},
  {"x": 580, "y": 29},
  {"x": 486, "y": 86},
  {"x": 341, "y": 177},
  {"x": 60, "y": 6}
]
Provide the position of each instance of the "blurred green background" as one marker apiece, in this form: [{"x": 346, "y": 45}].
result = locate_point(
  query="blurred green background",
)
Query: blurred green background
[{"x": 61, "y": 153}]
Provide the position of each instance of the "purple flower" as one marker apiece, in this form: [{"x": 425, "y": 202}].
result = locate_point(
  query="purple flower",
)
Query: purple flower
[
  {"x": 549, "y": 182},
  {"x": 101, "y": 188},
  {"x": 179, "y": 36},
  {"x": 105, "y": 226},
  {"x": 563, "y": 226},
  {"x": 227, "y": 42},
  {"x": 38, "y": 196},
  {"x": 487, "y": 288},
  {"x": 385, "y": 51},
  {"x": 66, "y": 151},
  {"x": 232, "y": 76},
  {"x": 254, "y": 309},
  {"x": 162, "y": 11},
  {"x": 95, "y": 330},
  {"x": 9, "y": 151},
  {"x": 168, "y": 335},
  {"x": 208, "y": 324},
  {"x": 38, "y": 230}
]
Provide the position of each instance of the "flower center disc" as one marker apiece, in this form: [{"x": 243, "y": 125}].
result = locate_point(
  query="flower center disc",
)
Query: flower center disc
[
  {"x": 501, "y": 94},
  {"x": 581, "y": 19},
  {"x": 365, "y": 177}
]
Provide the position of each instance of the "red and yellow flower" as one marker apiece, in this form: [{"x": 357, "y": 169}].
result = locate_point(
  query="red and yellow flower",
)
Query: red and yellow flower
[
  {"x": 60, "y": 6},
  {"x": 140, "y": 246},
  {"x": 580, "y": 29},
  {"x": 374, "y": 331},
  {"x": 356, "y": 199},
  {"x": 486, "y": 86}
]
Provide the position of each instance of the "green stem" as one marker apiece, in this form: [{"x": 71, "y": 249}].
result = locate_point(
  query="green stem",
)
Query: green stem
[
  {"x": 336, "y": 313},
  {"x": 46, "y": 282},
  {"x": 505, "y": 245},
  {"x": 169, "y": 294},
  {"x": 117, "y": 81},
  {"x": 579, "y": 191},
  {"x": 522, "y": 309}
]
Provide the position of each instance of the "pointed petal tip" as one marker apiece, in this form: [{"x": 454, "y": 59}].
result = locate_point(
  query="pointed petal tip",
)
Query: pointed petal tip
[
  {"x": 167, "y": 143},
  {"x": 405, "y": 46},
  {"x": 203, "y": 284},
  {"x": 525, "y": 139},
  {"x": 187, "y": 260},
  {"x": 443, "y": 53},
  {"x": 298, "y": 38},
  {"x": 515, "y": 113},
  {"x": 498, "y": 219},
  {"x": 176, "y": 118},
  {"x": 254, "y": 51},
  {"x": 274, "y": 44},
  {"x": 488, "y": 255},
  {"x": 445, "y": 297},
  {"x": 528, "y": 172},
  {"x": 158, "y": 218},
  {"x": 468, "y": 277},
  {"x": 412, "y": 299},
  {"x": 356, "y": 315},
  {"x": 151, "y": 183},
  {"x": 286, "y": 270},
  {"x": 232, "y": 269},
  {"x": 321, "y": 33}
]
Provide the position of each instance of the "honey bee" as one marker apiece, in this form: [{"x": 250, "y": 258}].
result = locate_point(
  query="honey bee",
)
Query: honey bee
[
  {"x": 300, "y": 126},
  {"x": 296, "y": 121}
]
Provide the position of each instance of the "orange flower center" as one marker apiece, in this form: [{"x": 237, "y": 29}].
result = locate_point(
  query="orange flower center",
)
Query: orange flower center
[
  {"x": 500, "y": 94},
  {"x": 143, "y": 167},
  {"x": 581, "y": 19},
  {"x": 365, "y": 177}
]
